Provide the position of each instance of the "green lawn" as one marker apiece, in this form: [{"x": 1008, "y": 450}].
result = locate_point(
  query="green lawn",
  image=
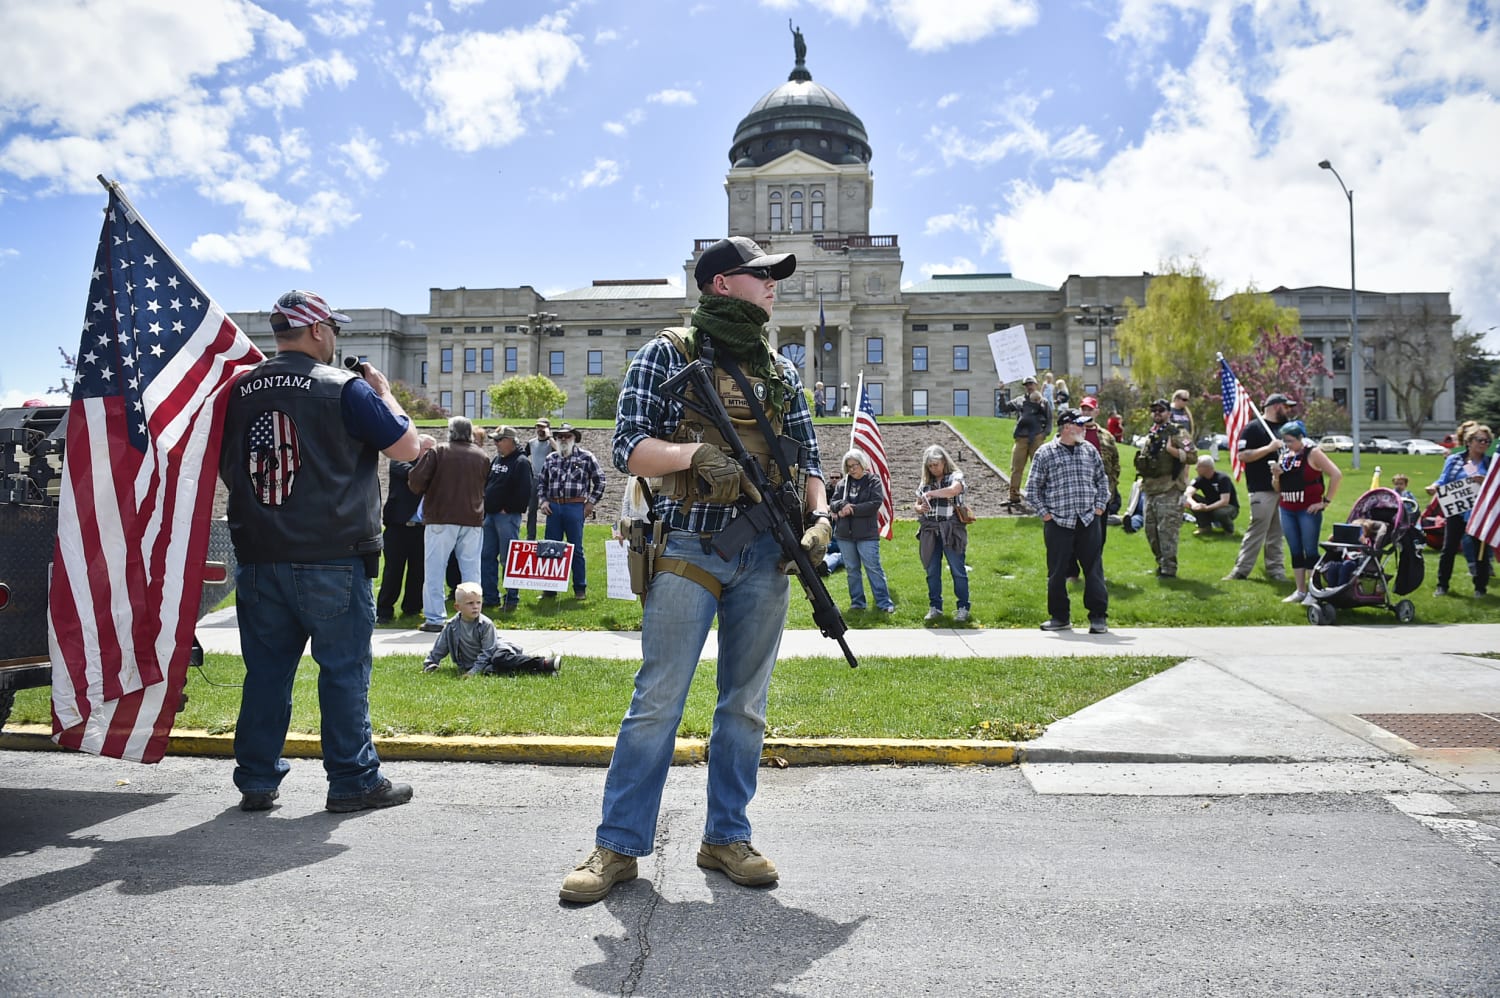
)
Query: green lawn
[{"x": 810, "y": 698}]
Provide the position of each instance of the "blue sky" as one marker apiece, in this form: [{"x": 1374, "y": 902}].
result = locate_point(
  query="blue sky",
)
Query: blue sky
[{"x": 371, "y": 150}]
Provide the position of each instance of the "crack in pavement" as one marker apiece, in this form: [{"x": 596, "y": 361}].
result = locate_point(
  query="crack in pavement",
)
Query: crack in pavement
[{"x": 643, "y": 920}]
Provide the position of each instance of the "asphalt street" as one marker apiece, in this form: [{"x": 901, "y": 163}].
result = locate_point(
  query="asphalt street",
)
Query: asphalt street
[{"x": 118, "y": 879}]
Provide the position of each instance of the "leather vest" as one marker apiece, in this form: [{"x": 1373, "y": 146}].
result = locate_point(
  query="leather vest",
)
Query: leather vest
[
  {"x": 679, "y": 485},
  {"x": 300, "y": 488}
]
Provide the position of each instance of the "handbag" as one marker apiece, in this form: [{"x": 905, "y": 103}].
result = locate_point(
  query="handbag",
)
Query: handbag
[{"x": 964, "y": 513}]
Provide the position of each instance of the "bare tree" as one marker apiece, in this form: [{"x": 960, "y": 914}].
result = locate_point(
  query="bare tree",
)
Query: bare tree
[{"x": 1412, "y": 350}]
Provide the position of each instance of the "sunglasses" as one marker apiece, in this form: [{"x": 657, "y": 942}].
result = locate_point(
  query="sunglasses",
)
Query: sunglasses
[
  {"x": 759, "y": 273},
  {"x": 332, "y": 325}
]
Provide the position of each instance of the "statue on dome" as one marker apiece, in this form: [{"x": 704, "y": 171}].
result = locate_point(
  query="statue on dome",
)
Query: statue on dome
[{"x": 798, "y": 45}]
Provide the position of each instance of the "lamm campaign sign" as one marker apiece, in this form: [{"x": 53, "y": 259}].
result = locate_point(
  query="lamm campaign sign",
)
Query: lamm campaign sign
[{"x": 540, "y": 565}]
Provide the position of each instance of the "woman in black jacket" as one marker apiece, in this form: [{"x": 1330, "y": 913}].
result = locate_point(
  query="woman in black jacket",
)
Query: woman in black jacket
[{"x": 855, "y": 506}]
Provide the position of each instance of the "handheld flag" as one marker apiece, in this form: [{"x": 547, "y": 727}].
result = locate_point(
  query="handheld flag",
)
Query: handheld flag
[
  {"x": 1238, "y": 411},
  {"x": 1484, "y": 518},
  {"x": 140, "y": 463},
  {"x": 865, "y": 436}
]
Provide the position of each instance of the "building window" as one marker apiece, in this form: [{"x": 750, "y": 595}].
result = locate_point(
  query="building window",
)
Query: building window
[
  {"x": 510, "y": 360},
  {"x": 960, "y": 401},
  {"x": 1340, "y": 358},
  {"x": 794, "y": 352},
  {"x": 486, "y": 329},
  {"x": 511, "y": 329},
  {"x": 1038, "y": 325},
  {"x": 919, "y": 402},
  {"x": 596, "y": 332},
  {"x": 424, "y": 372},
  {"x": 1089, "y": 389},
  {"x": 446, "y": 365},
  {"x": 555, "y": 362},
  {"x": 471, "y": 329},
  {"x": 445, "y": 330},
  {"x": 1090, "y": 353},
  {"x": 919, "y": 327},
  {"x": 775, "y": 211},
  {"x": 487, "y": 360},
  {"x": 875, "y": 392},
  {"x": 445, "y": 402},
  {"x": 960, "y": 327},
  {"x": 875, "y": 350},
  {"x": 1372, "y": 403},
  {"x": 1341, "y": 398},
  {"x": 1002, "y": 400},
  {"x": 630, "y": 355},
  {"x": 633, "y": 331},
  {"x": 485, "y": 411},
  {"x": 817, "y": 216},
  {"x": 470, "y": 401},
  {"x": 471, "y": 360},
  {"x": 1044, "y": 357},
  {"x": 919, "y": 358},
  {"x": 596, "y": 362},
  {"x": 796, "y": 225},
  {"x": 1114, "y": 354},
  {"x": 960, "y": 358}
]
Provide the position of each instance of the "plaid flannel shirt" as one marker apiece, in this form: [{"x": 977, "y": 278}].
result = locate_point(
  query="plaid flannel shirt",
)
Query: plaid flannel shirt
[
  {"x": 940, "y": 507},
  {"x": 1068, "y": 482},
  {"x": 577, "y": 476},
  {"x": 644, "y": 412}
]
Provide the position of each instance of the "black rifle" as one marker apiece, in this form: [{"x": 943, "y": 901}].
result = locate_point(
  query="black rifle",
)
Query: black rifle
[{"x": 779, "y": 510}]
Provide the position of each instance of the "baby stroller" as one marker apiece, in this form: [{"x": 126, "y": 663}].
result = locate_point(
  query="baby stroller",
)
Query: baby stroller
[{"x": 1353, "y": 569}]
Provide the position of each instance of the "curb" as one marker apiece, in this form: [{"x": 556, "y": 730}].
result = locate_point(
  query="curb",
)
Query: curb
[{"x": 547, "y": 750}]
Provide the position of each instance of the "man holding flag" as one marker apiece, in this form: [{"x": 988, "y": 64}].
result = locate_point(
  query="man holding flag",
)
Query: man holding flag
[{"x": 1251, "y": 449}]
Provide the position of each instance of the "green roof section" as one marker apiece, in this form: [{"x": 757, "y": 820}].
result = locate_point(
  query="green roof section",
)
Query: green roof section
[
  {"x": 956, "y": 283},
  {"x": 651, "y": 287}
]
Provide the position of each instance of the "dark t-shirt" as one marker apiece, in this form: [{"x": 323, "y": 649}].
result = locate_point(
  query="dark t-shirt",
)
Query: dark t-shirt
[
  {"x": 1258, "y": 473},
  {"x": 1209, "y": 490}
]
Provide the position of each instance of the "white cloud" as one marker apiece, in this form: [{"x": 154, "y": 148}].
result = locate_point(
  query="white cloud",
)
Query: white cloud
[
  {"x": 948, "y": 99},
  {"x": 274, "y": 229},
  {"x": 459, "y": 6},
  {"x": 290, "y": 87},
  {"x": 7, "y": 254},
  {"x": 632, "y": 117},
  {"x": 1015, "y": 133},
  {"x": 1396, "y": 95},
  {"x": 957, "y": 265},
  {"x": 960, "y": 220},
  {"x": 362, "y": 155},
  {"x": 673, "y": 97},
  {"x": 341, "y": 18},
  {"x": 615, "y": 128},
  {"x": 603, "y": 173},
  {"x": 425, "y": 19},
  {"x": 929, "y": 26},
  {"x": 476, "y": 86},
  {"x": 605, "y": 36},
  {"x": 12, "y": 398}
]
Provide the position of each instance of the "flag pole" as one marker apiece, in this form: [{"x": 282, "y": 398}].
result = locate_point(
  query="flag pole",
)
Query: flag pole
[{"x": 1253, "y": 407}]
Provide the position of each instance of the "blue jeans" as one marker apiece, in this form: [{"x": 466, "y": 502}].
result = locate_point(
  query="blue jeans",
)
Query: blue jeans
[
  {"x": 935, "y": 578},
  {"x": 442, "y": 540},
  {"x": 499, "y": 530},
  {"x": 565, "y": 522},
  {"x": 280, "y": 606},
  {"x": 866, "y": 553},
  {"x": 678, "y": 614},
  {"x": 1302, "y": 530}
]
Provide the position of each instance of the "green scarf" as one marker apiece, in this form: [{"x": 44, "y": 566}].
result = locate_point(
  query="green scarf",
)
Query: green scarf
[{"x": 739, "y": 327}]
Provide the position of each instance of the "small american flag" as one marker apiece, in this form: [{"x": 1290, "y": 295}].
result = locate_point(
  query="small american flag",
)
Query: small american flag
[
  {"x": 1484, "y": 518},
  {"x": 140, "y": 463},
  {"x": 865, "y": 436},
  {"x": 1237, "y": 413},
  {"x": 274, "y": 457}
]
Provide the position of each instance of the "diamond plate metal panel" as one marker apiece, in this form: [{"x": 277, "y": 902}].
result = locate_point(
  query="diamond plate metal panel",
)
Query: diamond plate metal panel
[{"x": 1441, "y": 730}]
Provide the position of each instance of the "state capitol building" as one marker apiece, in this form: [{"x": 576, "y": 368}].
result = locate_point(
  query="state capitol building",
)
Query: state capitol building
[{"x": 799, "y": 182}]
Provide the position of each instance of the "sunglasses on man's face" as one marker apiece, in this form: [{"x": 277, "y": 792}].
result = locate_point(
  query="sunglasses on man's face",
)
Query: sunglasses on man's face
[{"x": 759, "y": 273}]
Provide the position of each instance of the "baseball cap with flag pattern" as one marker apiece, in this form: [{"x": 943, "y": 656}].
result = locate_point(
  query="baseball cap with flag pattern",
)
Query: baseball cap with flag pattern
[{"x": 303, "y": 308}]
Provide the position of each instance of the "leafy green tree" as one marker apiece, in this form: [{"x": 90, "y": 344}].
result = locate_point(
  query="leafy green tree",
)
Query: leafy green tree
[
  {"x": 600, "y": 396},
  {"x": 1173, "y": 340},
  {"x": 1473, "y": 368},
  {"x": 416, "y": 406},
  {"x": 526, "y": 398},
  {"x": 1484, "y": 402}
]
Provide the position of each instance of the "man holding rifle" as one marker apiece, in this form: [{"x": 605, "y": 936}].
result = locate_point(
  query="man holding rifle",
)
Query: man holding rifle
[{"x": 659, "y": 438}]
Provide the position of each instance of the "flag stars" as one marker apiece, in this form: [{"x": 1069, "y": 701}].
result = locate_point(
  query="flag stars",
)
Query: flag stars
[
  {"x": 176, "y": 304},
  {"x": 154, "y": 329},
  {"x": 128, "y": 360},
  {"x": 97, "y": 274},
  {"x": 150, "y": 260},
  {"x": 91, "y": 358},
  {"x": 178, "y": 327},
  {"x": 99, "y": 305},
  {"x": 153, "y": 306},
  {"x": 106, "y": 374},
  {"x": 193, "y": 302},
  {"x": 156, "y": 350},
  {"x": 172, "y": 281},
  {"x": 150, "y": 282}
]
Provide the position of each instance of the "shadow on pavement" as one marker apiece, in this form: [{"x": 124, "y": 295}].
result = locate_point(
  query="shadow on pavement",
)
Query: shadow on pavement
[
  {"x": 231, "y": 848},
  {"x": 744, "y": 941}
]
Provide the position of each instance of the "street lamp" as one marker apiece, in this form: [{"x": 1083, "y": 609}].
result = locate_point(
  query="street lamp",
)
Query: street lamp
[
  {"x": 1356, "y": 359},
  {"x": 541, "y": 324}
]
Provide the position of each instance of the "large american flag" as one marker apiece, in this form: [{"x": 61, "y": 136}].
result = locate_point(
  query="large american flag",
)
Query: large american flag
[
  {"x": 865, "y": 436},
  {"x": 1484, "y": 518},
  {"x": 140, "y": 464},
  {"x": 1237, "y": 413}
]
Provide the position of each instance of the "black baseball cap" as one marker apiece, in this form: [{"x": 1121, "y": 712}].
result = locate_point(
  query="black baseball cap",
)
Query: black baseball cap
[
  {"x": 1160, "y": 404},
  {"x": 1278, "y": 397},
  {"x": 1074, "y": 417},
  {"x": 736, "y": 252}
]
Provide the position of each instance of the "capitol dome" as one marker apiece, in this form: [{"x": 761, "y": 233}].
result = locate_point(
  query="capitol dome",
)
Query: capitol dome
[{"x": 800, "y": 114}]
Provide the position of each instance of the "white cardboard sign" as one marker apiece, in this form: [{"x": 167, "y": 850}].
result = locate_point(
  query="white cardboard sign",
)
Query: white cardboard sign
[
  {"x": 1458, "y": 497},
  {"x": 617, "y": 565},
  {"x": 1012, "y": 354}
]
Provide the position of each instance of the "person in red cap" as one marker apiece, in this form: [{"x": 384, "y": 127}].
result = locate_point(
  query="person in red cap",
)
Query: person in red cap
[
  {"x": 1258, "y": 445},
  {"x": 302, "y": 442},
  {"x": 1103, "y": 442}
]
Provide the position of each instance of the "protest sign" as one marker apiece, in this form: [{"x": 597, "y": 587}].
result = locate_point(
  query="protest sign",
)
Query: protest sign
[
  {"x": 1012, "y": 354},
  {"x": 540, "y": 565}
]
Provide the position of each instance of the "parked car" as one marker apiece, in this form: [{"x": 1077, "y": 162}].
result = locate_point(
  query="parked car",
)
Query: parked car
[
  {"x": 1414, "y": 445},
  {"x": 1336, "y": 442},
  {"x": 1383, "y": 445},
  {"x": 1213, "y": 443}
]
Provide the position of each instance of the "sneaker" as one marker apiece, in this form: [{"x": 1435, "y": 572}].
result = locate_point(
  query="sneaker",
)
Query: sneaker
[
  {"x": 383, "y": 794},
  {"x": 1440, "y": 591},
  {"x": 1073, "y": 580},
  {"x": 580, "y": 594},
  {"x": 510, "y": 606},
  {"x": 427, "y": 628},
  {"x": 596, "y": 875},
  {"x": 1296, "y": 597},
  {"x": 740, "y": 861},
  {"x": 554, "y": 663},
  {"x": 1098, "y": 625},
  {"x": 934, "y": 614},
  {"x": 429, "y": 667},
  {"x": 1057, "y": 625},
  {"x": 1200, "y": 532},
  {"x": 1279, "y": 577},
  {"x": 888, "y": 609},
  {"x": 549, "y": 594},
  {"x": 384, "y": 618},
  {"x": 258, "y": 800},
  {"x": 961, "y": 615},
  {"x": 1234, "y": 577},
  {"x": 1311, "y": 600}
]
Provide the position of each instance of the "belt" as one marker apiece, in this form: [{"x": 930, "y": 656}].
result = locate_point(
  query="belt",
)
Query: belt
[{"x": 567, "y": 500}]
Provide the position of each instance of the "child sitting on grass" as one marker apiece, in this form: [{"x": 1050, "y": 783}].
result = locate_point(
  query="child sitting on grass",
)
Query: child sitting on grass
[{"x": 469, "y": 636}]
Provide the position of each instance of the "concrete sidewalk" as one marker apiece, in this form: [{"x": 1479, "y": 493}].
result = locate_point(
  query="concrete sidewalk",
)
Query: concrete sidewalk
[{"x": 1249, "y": 709}]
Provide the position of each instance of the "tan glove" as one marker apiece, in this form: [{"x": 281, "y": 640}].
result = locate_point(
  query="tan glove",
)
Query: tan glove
[
  {"x": 717, "y": 474},
  {"x": 815, "y": 539}
]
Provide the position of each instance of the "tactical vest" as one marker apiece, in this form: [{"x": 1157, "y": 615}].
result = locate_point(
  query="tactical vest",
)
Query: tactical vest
[
  {"x": 679, "y": 485},
  {"x": 300, "y": 488}
]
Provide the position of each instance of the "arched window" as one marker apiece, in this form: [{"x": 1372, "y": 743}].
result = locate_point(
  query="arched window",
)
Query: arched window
[
  {"x": 796, "y": 218},
  {"x": 796, "y": 353},
  {"x": 817, "y": 211},
  {"x": 775, "y": 225}
]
